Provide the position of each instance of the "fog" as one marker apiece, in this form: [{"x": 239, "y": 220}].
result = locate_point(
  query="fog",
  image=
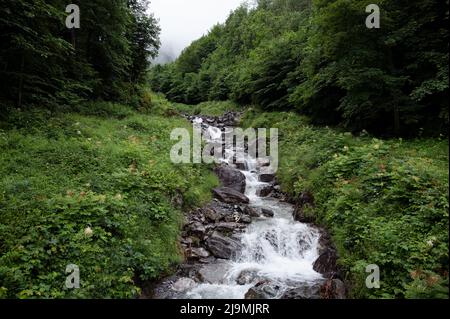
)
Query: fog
[{"x": 183, "y": 21}]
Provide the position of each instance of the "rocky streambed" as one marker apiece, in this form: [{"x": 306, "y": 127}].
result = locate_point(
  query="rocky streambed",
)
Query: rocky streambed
[{"x": 251, "y": 241}]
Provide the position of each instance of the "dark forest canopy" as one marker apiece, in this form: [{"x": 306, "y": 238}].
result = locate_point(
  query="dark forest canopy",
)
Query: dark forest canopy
[
  {"x": 44, "y": 63},
  {"x": 319, "y": 58}
]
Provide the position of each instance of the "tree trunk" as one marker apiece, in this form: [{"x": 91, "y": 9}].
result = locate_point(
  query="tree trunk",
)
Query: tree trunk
[{"x": 22, "y": 66}]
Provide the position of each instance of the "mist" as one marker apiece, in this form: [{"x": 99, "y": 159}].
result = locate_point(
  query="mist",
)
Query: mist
[{"x": 183, "y": 21}]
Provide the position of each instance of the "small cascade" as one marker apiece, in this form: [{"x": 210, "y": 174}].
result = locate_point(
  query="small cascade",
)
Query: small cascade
[{"x": 278, "y": 249}]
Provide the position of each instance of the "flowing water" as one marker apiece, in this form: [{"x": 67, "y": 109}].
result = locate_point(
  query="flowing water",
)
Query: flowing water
[{"x": 277, "y": 249}]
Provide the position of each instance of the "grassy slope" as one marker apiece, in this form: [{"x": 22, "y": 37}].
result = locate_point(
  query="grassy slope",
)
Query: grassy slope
[
  {"x": 384, "y": 201},
  {"x": 105, "y": 167}
]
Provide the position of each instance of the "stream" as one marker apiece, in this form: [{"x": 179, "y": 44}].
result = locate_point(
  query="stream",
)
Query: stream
[{"x": 277, "y": 253}]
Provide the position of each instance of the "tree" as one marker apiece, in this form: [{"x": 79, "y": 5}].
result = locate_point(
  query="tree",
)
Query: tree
[{"x": 44, "y": 63}]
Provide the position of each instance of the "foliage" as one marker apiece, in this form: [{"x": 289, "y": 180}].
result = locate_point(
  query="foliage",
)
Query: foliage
[
  {"x": 105, "y": 167},
  {"x": 384, "y": 201},
  {"x": 318, "y": 58},
  {"x": 44, "y": 63}
]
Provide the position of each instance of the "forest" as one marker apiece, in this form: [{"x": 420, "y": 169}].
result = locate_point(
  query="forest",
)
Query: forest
[
  {"x": 296, "y": 55},
  {"x": 86, "y": 118}
]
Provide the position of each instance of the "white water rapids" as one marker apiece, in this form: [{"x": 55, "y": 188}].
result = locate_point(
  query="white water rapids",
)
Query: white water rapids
[{"x": 276, "y": 249}]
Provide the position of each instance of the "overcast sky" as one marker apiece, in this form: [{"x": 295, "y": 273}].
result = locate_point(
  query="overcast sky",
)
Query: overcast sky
[{"x": 183, "y": 21}]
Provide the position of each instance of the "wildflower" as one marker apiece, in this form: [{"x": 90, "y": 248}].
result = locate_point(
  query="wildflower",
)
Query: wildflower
[
  {"x": 88, "y": 231},
  {"x": 376, "y": 146},
  {"x": 346, "y": 148},
  {"x": 430, "y": 242}
]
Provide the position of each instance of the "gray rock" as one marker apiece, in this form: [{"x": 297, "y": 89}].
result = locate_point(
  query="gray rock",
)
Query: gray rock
[
  {"x": 245, "y": 219},
  {"x": 211, "y": 215},
  {"x": 251, "y": 212},
  {"x": 264, "y": 191},
  {"x": 267, "y": 212},
  {"x": 231, "y": 177},
  {"x": 263, "y": 290},
  {"x": 303, "y": 292},
  {"x": 183, "y": 284},
  {"x": 230, "y": 196},
  {"x": 267, "y": 177},
  {"x": 213, "y": 273},
  {"x": 223, "y": 247},
  {"x": 326, "y": 264},
  {"x": 228, "y": 227},
  {"x": 197, "y": 253},
  {"x": 232, "y": 218},
  {"x": 247, "y": 277},
  {"x": 196, "y": 229}
]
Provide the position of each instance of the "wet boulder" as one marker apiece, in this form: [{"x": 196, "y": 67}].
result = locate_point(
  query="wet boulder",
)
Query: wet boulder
[
  {"x": 213, "y": 273},
  {"x": 240, "y": 165},
  {"x": 223, "y": 247},
  {"x": 267, "y": 212},
  {"x": 229, "y": 195},
  {"x": 262, "y": 290},
  {"x": 251, "y": 212},
  {"x": 264, "y": 191},
  {"x": 245, "y": 219},
  {"x": 326, "y": 264},
  {"x": 267, "y": 177},
  {"x": 247, "y": 277},
  {"x": 231, "y": 177},
  {"x": 303, "y": 292}
]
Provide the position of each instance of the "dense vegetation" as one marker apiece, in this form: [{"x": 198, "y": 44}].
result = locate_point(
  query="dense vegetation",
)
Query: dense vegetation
[
  {"x": 318, "y": 58},
  {"x": 384, "y": 201},
  {"x": 103, "y": 167},
  {"x": 86, "y": 177},
  {"x": 44, "y": 63}
]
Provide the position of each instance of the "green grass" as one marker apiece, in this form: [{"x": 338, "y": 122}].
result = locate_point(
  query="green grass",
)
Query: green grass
[
  {"x": 384, "y": 201},
  {"x": 106, "y": 167},
  {"x": 213, "y": 108}
]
